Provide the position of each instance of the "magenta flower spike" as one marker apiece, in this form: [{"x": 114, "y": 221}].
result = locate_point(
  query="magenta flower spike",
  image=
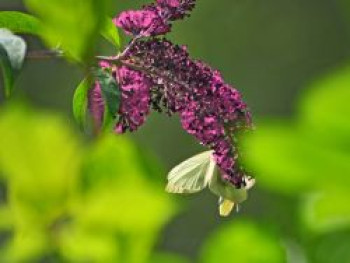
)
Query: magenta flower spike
[{"x": 154, "y": 73}]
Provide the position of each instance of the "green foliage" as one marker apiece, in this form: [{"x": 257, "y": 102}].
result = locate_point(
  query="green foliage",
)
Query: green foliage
[
  {"x": 110, "y": 91},
  {"x": 110, "y": 32},
  {"x": 7, "y": 72},
  {"x": 75, "y": 204},
  {"x": 327, "y": 211},
  {"x": 12, "y": 53},
  {"x": 80, "y": 102},
  {"x": 19, "y": 22},
  {"x": 311, "y": 157},
  {"x": 167, "y": 258},
  {"x": 324, "y": 111},
  {"x": 71, "y": 25},
  {"x": 243, "y": 242}
]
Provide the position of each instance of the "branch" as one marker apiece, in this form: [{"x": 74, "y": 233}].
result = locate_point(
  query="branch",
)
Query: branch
[
  {"x": 153, "y": 72},
  {"x": 44, "y": 54}
]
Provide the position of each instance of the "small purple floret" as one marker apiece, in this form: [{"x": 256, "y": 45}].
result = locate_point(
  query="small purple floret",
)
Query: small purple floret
[{"x": 135, "y": 99}]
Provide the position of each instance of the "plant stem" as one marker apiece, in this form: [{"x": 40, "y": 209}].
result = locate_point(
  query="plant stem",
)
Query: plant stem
[{"x": 44, "y": 54}]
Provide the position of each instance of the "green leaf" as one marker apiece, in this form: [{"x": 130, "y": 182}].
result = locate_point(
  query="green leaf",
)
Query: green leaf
[
  {"x": 285, "y": 159},
  {"x": 168, "y": 258},
  {"x": 19, "y": 22},
  {"x": 327, "y": 211},
  {"x": 44, "y": 155},
  {"x": 325, "y": 110},
  {"x": 12, "y": 53},
  {"x": 117, "y": 193},
  {"x": 82, "y": 246},
  {"x": 7, "y": 71},
  {"x": 80, "y": 102},
  {"x": 15, "y": 47},
  {"x": 110, "y": 32},
  {"x": 74, "y": 25},
  {"x": 110, "y": 90},
  {"x": 243, "y": 242},
  {"x": 111, "y": 94}
]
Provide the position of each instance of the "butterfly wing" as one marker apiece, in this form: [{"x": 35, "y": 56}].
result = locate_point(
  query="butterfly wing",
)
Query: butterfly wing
[{"x": 192, "y": 175}]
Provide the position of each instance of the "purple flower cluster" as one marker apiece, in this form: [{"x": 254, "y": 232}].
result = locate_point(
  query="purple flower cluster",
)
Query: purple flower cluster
[
  {"x": 135, "y": 99},
  {"x": 210, "y": 109},
  {"x": 157, "y": 73},
  {"x": 153, "y": 19},
  {"x": 96, "y": 104}
]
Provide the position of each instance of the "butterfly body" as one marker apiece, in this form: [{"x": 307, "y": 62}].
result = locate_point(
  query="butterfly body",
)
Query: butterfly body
[{"x": 199, "y": 172}]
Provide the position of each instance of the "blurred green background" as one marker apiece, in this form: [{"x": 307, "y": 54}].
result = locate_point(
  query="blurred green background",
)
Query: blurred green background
[{"x": 290, "y": 59}]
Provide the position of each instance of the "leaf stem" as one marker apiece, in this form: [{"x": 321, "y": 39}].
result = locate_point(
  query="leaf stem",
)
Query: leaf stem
[{"x": 44, "y": 54}]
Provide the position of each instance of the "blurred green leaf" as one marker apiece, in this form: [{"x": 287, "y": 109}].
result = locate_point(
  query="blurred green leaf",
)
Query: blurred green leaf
[
  {"x": 19, "y": 22},
  {"x": 325, "y": 110},
  {"x": 27, "y": 246},
  {"x": 39, "y": 157},
  {"x": 74, "y": 25},
  {"x": 110, "y": 32},
  {"x": 12, "y": 53},
  {"x": 7, "y": 71},
  {"x": 117, "y": 197},
  {"x": 14, "y": 46},
  {"x": 81, "y": 246},
  {"x": 124, "y": 193},
  {"x": 275, "y": 154},
  {"x": 168, "y": 258},
  {"x": 330, "y": 247},
  {"x": 242, "y": 242},
  {"x": 302, "y": 156},
  {"x": 80, "y": 102},
  {"x": 6, "y": 220},
  {"x": 327, "y": 211}
]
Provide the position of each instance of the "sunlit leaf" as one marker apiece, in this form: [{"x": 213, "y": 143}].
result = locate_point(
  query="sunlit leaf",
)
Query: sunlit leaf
[
  {"x": 80, "y": 102},
  {"x": 325, "y": 110},
  {"x": 19, "y": 22},
  {"x": 26, "y": 246},
  {"x": 117, "y": 197},
  {"x": 242, "y": 242},
  {"x": 81, "y": 246},
  {"x": 12, "y": 53},
  {"x": 110, "y": 32},
  {"x": 327, "y": 211},
  {"x": 117, "y": 189},
  {"x": 7, "y": 71},
  {"x": 276, "y": 156},
  {"x": 15, "y": 47},
  {"x": 74, "y": 25},
  {"x": 39, "y": 158},
  {"x": 168, "y": 258}
]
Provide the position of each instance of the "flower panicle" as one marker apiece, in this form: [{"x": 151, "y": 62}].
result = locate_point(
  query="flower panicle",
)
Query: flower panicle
[
  {"x": 154, "y": 19},
  {"x": 154, "y": 73}
]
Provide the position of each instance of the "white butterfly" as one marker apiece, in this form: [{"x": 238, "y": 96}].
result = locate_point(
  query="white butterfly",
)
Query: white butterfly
[{"x": 199, "y": 172}]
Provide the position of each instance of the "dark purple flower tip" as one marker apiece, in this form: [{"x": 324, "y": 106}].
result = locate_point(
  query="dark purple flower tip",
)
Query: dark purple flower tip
[
  {"x": 170, "y": 3},
  {"x": 176, "y": 9},
  {"x": 141, "y": 22}
]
